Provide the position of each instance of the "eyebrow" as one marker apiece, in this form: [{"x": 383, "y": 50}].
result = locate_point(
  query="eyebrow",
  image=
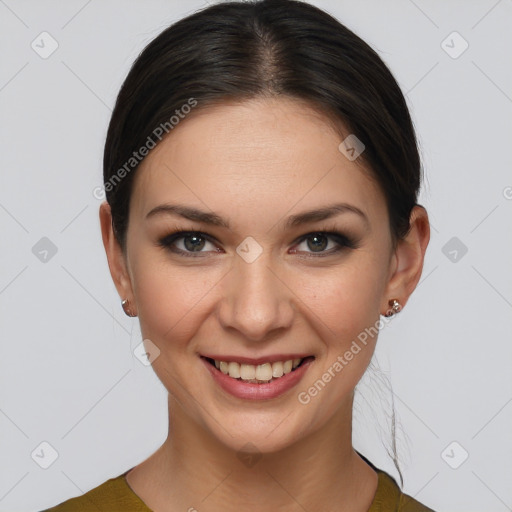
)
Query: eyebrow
[{"x": 213, "y": 219}]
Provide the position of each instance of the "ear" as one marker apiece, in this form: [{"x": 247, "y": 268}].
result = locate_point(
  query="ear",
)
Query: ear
[
  {"x": 115, "y": 256},
  {"x": 407, "y": 260}
]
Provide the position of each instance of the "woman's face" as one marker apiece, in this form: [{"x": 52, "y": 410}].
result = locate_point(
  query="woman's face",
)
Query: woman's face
[{"x": 259, "y": 285}]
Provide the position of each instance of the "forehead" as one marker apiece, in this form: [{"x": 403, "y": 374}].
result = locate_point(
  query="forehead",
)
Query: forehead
[{"x": 263, "y": 155}]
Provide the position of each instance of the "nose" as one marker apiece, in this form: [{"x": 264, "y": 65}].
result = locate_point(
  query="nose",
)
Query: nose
[{"x": 256, "y": 302}]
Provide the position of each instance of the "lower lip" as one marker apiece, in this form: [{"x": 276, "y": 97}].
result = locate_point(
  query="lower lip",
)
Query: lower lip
[{"x": 252, "y": 391}]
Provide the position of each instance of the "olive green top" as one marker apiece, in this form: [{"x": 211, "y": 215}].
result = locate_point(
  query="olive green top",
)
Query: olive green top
[{"x": 115, "y": 495}]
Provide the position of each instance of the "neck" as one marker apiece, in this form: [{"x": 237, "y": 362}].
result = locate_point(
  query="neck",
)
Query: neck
[{"x": 193, "y": 470}]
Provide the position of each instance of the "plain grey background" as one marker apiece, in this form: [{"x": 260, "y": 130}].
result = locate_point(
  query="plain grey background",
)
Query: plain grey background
[{"x": 68, "y": 375}]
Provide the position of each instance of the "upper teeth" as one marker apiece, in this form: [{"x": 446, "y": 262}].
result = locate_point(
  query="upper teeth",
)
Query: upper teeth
[{"x": 261, "y": 372}]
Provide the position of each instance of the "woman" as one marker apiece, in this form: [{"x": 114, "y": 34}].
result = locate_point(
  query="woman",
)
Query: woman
[{"x": 262, "y": 175}]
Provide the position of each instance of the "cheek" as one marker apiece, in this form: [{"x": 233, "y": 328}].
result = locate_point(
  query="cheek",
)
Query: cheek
[
  {"x": 346, "y": 299},
  {"x": 346, "y": 307},
  {"x": 170, "y": 300}
]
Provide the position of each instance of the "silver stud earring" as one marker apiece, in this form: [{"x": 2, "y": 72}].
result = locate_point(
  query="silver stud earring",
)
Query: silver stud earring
[
  {"x": 126, "y": 308},
  {"x": 394, "y": 308}
]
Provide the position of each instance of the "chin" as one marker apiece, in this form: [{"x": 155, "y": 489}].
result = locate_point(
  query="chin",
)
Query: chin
[{"x": 257, "y": 433}]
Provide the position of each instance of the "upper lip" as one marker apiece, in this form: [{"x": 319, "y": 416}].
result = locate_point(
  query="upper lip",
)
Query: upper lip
[{"x": 256, "y": 360}]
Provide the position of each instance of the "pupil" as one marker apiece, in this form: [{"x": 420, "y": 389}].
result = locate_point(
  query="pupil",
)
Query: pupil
[
  {"x": 197, "y": 245},
  {"x": 317, "y": 244}
]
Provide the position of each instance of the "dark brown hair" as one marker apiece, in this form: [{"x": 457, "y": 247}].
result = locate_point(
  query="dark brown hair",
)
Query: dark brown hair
[{"x": 241, "y": 50}]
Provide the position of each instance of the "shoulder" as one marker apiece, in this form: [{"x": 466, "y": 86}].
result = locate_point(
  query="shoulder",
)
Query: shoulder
[
  {"x": 114, "y": 495},
  {"x": 389, "y": 497}
]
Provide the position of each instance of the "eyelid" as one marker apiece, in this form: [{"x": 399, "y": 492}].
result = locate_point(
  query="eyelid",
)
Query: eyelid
[
  {"x": 341, "y": 240},
  {"x": 167, "y": 241}
]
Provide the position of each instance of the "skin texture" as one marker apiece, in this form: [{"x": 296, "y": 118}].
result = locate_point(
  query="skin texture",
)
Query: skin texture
[{"x": 254, "y": 164}]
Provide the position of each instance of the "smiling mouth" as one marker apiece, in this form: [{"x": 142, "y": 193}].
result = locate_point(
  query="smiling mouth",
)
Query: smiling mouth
[{"x": 258, "y": 374}]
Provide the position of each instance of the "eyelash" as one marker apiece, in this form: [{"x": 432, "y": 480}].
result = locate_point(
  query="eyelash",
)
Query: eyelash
[{"x": 343, "y": 241}]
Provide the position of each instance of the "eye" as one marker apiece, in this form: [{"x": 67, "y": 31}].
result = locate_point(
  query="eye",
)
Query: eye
[
  {"x": 318, "y": 243},
  {"x": 190, "y": 242}
]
